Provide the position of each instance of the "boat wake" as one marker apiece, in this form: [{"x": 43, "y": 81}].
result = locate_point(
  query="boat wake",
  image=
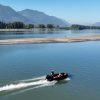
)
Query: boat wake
[
  {"x": 28, "y": 84},
  {"x": 21, "y": 84}
]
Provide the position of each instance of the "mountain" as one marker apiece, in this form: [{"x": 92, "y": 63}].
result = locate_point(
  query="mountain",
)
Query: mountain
[
  {"x": 96, "y": 24},
  {"x": 7, "y": 14},
  {"x": 42, "y": 18}
]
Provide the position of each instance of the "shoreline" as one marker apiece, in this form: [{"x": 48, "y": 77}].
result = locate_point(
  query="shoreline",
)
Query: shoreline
[
  {"x": 16, "y": 30},
  {"x": 29, "y": 30},
  {"x": 50, "y": 40}
]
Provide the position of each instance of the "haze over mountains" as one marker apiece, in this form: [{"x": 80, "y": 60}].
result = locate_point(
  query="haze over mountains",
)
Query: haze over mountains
[
  {"x": 42, "y": 18},
  {"x": 96, "y": 24},
  {"x": 28, "y": 16}
]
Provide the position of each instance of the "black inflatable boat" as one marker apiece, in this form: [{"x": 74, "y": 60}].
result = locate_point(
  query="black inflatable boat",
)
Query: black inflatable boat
[{"x": 57, "y": 77}]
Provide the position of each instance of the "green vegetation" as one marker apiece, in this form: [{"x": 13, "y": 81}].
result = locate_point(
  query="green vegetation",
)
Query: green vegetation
[
  {"x": 15, "y": 25},
  {"x": 81, "y": 27},
  {"x": 29, "y": 26},
  {"x": 21, "y": 25},
  {"x": 41, "y": 26},
  {"x": 50, "y": 26},
  {"x": 2, "y": 25}
]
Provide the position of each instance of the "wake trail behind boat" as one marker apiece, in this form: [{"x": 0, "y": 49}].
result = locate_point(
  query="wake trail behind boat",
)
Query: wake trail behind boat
[
  {"x": 33, "y": 79},
  {"x": 35, "y": 82},
  {"x": 39, "y": 86},
  {"x": 67, "y": 79}
]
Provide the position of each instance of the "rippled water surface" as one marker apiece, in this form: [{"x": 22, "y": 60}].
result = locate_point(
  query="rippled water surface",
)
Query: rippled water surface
[{"x": 23, "y": 69}]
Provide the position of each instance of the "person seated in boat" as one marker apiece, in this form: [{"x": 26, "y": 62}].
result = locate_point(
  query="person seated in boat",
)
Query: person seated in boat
[
  {"x": 59, "y": 75},
  {"x": 52, "y": 73}
]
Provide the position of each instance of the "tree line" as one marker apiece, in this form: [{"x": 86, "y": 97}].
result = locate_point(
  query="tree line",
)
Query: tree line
[
  {"x": 21, "y": 25},
  {"x": 80, "y": 27}
]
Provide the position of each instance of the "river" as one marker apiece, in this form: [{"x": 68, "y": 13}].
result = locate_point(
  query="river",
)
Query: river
[{"x": 23, "y": 69}]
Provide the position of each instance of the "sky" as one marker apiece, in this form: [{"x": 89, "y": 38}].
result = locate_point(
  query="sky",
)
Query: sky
[{"x": 74, "y": 11}]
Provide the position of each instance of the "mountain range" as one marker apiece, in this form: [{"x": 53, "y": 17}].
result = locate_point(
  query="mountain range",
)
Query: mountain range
[
  {"x": 96, "y": 24},
  {"x": 28, "y": 16}
]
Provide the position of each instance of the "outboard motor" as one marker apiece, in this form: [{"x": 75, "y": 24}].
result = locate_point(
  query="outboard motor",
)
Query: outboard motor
[{"x": 49, "y": 77}]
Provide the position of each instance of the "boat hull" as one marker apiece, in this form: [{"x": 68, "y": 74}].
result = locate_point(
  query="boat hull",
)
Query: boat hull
[{"x": 57, "y": 77}]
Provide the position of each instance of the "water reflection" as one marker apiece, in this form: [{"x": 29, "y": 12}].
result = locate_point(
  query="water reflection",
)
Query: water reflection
[{"x": 43, "y": 33}]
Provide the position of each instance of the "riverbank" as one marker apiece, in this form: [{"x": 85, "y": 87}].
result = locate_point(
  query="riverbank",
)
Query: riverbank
[
  {"x": 16, "y": 30},
  {"x": 29, "y": 30},
  {"x": 51, "y": 40}
]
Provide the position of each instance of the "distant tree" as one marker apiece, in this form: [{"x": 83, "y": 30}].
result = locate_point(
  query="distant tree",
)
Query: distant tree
[
  {"x": 29, "y": 26},
  {"x": 50, "y": 26},
  {"x": 79, "y": 27},
  {"x": 42, "y": 26},
  {"x": 57, "y": 26},
  {"x": 21, "y": 25},
  {"x": 18, "y": 25},
  {"x": 2, "y": 25},
  {"x": 9, "y": 26}
]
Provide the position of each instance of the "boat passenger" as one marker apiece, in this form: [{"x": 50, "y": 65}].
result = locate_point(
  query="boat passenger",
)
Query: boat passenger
[
  {"x": 52, "y": 73},
  {"x": 59, "y": 75}
]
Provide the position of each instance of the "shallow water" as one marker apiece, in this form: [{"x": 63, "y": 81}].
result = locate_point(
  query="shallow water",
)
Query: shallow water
[
  {"x": 45, "y": 34},
  {"x": 23, "y": 69}
]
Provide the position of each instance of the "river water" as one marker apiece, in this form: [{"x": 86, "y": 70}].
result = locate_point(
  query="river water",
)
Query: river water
[
  {"x": 23, "y": 69},
  {"x": 46, "y": 34}
]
